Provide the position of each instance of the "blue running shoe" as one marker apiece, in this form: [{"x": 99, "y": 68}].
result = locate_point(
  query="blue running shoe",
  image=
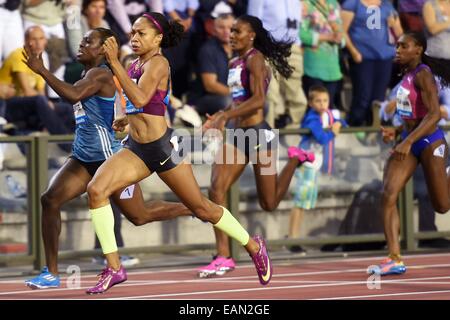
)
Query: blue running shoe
[
  {"x": 44, "y": 281},
  {"x": 389, "y": 266}
]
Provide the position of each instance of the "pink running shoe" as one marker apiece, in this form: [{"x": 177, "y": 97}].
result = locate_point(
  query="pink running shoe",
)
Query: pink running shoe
[
  {"x": 302, "y": 155},
  {"x": 108, "y": 278},
  {"x": 218, "y": 266},
  {"x": 262, "y": 262}
]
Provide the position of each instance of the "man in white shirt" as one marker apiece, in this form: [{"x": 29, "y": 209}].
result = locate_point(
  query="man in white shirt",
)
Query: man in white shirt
[
  {"x": 11, "y": 28},
  {"x": 285, "y": 96}
]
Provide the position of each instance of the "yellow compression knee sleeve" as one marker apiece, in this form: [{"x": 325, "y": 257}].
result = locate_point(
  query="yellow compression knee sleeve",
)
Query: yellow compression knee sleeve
[
  {"x": 103, "y": 220},
  {"x": 232, "y": 227}
]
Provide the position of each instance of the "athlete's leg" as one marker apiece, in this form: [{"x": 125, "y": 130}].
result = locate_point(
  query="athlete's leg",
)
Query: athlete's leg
[
  {"x": 117, "y": 223},
  {"x": 131, "y": 203},
  {"x": 396, "y": 175},
  {"x": 223, "y": 175},
  {"x": 69, "y": 182},
  {"x": 434, "y": 167},
  {"x": 182, "y": 182},
  {"x": 119, "y": 171},
  {"x": 272, "y": 187}
]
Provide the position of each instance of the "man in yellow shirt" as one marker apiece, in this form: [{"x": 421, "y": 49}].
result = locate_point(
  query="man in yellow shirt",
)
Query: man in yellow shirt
[
  {"x": 30, "y": 109},
  {"x": 14, "y": 71}
]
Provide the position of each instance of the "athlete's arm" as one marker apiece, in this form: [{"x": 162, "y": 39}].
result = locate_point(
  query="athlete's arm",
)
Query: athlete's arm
[
  {"x": 154, "y": 71},
  {"x": 86, "y": 87},
  {"x": 257, "y": 67},
  {"x": 424, "y": 80},
  {"x": 90, "y": 85}
]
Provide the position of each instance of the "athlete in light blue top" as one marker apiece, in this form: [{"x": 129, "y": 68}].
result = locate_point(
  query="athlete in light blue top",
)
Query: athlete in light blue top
[
  {"x": 94, "y": 99},
  {"x": 94, "y": 136}
]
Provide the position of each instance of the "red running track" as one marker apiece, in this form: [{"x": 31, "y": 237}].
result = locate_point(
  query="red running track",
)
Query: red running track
[{"x": 427, "y": 277}]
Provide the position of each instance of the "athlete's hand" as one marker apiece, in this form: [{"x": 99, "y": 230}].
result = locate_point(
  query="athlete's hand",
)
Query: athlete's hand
[
  {"x": 111, "y": 49},
  {"x": 34, "y": 62},
  {"x": 401, "y": 150},
  {"x": 120, "y": 124},
  {"x": 388, "y": 134},
  {"x": 216, "y": 121}
]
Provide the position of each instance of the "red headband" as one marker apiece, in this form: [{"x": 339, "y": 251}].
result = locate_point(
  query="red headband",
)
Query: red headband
[{"x": 153, "y": 20}]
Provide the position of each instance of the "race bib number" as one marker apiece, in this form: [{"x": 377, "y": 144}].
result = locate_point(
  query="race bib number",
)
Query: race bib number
[
  {"x": 404, "y": 108},
  {"x": 235, "y": 82},
  {"x": 128, "y": 192},
  {"x": 80, "y": 114}
]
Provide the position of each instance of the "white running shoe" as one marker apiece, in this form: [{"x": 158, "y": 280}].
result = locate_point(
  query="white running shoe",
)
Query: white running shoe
[{"x": 189, "y": 115}]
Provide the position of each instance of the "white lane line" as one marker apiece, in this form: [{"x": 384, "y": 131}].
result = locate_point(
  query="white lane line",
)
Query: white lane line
[
  {"x": 197, "y": 293},
  {"x": 153, "y": 282},
  {"x": 385, "y": 295}
]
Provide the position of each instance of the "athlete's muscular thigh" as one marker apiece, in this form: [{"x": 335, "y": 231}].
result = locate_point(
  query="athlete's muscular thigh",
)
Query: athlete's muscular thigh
[{"x": 119, "y": 171}]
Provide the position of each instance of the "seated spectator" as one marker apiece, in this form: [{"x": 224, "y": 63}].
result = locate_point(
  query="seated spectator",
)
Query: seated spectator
[
  {"x": 212, "y": 62},
  {"x": 50, "y": 15},
  {"x": 209, "y": 11},
  {"x": 30, "y": 109}
]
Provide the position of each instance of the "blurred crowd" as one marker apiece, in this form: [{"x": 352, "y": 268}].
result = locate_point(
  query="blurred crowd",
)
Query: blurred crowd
[{"x": 346, "y": 46}]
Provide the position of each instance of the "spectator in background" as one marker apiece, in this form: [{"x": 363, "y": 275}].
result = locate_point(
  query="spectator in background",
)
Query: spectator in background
[
  {"x": 30, "y": 109},
  {"x": 6, "y": 92},
  {"x": 322, "y": 36},
  {"x": 436, "y": 14},
  {"x": 122, "y": 13},
  {"x": 49, "y": 15},
  {"x": 286, "y": 99},
  {"x": 207, "y": 9},
  {"x": 411, "y": 14},
  {"x": 325, "y": 127},
  {"x": 92, "y": 16},
  {"x": 10, "y": 26},
  {"x": 213, "y": 68},
  {"x": 372, "y": 51},
  {"x": 181, "y": 56}
]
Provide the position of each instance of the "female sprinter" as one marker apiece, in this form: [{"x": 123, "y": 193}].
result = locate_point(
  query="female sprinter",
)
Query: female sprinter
[
  {"x": 421, "y": 141},
  {"x": 93, "y": 97},
  {"x": 151, "y": 148},
  {"x": 248, "y": 79}
]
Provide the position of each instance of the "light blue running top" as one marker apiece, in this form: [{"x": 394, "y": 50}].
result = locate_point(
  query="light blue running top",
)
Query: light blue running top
[{"x": 94, "y": 136}]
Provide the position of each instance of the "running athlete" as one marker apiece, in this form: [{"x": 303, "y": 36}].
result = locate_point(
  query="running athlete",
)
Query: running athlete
[
  {"x": 93, "y": 97},
  {"x": 248, "y": 79},
  {"x": 421, "y": 141},
  {"x": 151, "y": 147}
]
